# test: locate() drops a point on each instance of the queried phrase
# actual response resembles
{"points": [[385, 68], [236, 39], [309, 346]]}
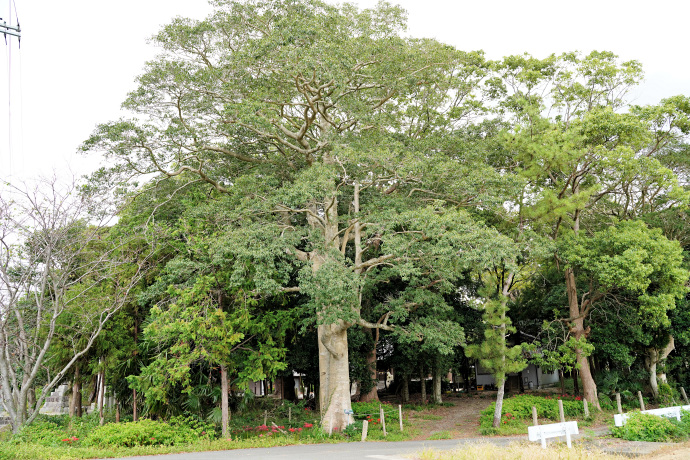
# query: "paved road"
{"points": [[394, 450], [342, 451]]}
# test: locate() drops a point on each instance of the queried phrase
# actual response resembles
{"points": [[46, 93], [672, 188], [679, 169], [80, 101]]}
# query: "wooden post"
{"points": [[265, 417], [400, 417], [639, 396], [618, 403], [290, 414], [584, 401], [365, 428], [383, 421], [535, 419], [330, 427], [685, 397], [560, 410]]}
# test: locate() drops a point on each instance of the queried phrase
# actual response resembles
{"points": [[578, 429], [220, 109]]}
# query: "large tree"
{"points": [[588, 158], [318, 123]]}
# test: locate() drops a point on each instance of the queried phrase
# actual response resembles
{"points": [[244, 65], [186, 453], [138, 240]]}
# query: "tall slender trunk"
{"points": [[101, 395], [501, 384], [135, 416], [373, 393], [75, 405], [436, 387], [225, 412], [406, 388], [577, 329], [422, 381]]}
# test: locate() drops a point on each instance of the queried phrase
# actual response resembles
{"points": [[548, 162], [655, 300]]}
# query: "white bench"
{"points": [[668, 412], [553, 430]]}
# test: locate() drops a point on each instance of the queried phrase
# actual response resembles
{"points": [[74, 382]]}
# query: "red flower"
{"points": [[308, 425], [291, 430], [299, 429]]}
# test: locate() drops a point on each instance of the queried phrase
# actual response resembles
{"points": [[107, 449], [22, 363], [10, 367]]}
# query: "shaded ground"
{"points": [[459, 421]]}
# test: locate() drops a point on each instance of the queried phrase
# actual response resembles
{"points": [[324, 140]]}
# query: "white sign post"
{"points": [[553, 430], [668, 412]]}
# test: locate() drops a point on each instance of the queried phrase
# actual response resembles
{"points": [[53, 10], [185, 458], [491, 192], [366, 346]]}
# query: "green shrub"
{"points": [[667, 395], [364, 410], [652, 428], [179, 430], [520, 407], [44, 432]]}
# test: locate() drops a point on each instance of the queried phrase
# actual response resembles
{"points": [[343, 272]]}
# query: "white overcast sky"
{"points": [[78, 58]]}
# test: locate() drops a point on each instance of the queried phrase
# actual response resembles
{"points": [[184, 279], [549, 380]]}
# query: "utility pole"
{"points": [[10, 30]]}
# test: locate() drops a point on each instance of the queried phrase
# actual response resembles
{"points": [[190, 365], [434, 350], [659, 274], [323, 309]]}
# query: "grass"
{"points": [[45, 438], [428, 417], [34, 451], [441, 435], [517, 451]]}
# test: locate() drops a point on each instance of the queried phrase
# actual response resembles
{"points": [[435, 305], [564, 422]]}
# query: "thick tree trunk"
{"points": [[501, 384], [334, 381], [652, 380], [422, 381], [225, 412], [436, 392], [653, 358]]}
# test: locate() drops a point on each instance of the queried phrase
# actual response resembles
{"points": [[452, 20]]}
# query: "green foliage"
{"points": [[652, 428], [517, 409], [667, 395], [177, 431], [370, 410], [632, 257], [493, 353]]}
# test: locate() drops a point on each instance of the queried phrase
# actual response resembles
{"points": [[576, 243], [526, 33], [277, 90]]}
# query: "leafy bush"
{"points": [[652, 428], [667, 395], [179, 430], [45, 432], [363, 410], [520, 407]]}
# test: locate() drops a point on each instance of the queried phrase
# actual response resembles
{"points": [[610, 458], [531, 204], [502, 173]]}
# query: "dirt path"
{"points": [[459, 421]]}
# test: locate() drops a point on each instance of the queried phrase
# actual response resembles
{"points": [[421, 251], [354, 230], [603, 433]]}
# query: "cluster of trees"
{"points": [[306, 187]]}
